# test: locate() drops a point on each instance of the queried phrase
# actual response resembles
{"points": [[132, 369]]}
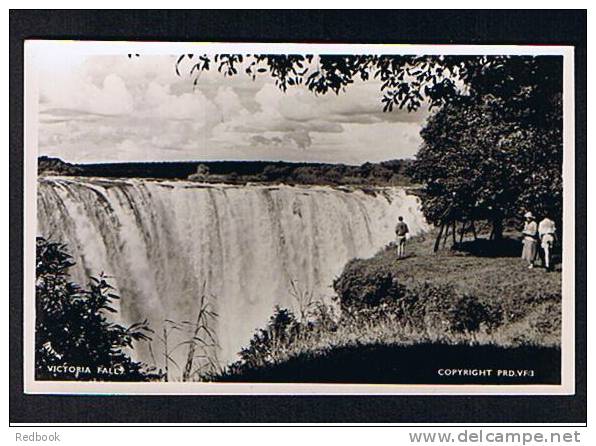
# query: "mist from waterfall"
{"points": [[161, 242]]}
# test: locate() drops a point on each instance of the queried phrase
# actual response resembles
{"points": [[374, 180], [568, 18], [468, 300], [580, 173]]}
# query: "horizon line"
{"points": [[222, 161]]}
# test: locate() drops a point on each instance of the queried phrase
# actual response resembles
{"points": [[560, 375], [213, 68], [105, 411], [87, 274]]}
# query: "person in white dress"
{"points": [[547, 234], [530, 239]]}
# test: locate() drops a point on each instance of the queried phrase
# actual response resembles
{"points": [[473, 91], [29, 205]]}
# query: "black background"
{"points": [[552, 27]]}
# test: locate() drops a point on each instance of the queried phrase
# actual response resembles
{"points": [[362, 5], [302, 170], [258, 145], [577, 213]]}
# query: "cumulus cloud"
{"points": [[75, 94], [108, 108]]}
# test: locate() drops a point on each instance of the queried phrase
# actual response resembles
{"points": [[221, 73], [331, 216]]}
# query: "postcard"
{"points": [[218, 218]]}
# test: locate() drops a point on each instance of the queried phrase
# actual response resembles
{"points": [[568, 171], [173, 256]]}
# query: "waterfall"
{"points": [[161, 242]]}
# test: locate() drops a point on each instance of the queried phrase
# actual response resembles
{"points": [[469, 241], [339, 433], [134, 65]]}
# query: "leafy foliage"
{"points": [[405, 80], [371, 291], [476, 164], [498, 152], [360, 286], [430, 308], [330, 73], [72, 327], [269, 343], [47, 165]]}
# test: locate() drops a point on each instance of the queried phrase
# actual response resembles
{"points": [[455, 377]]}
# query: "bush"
{"points": [[281, 331], [525, 301], [540, 326], [442, 310], [71, 328], [361, 285], [370, 290]]}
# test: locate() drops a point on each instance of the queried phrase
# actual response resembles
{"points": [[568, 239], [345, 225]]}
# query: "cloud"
{"points": [[299, 139], [114, 108], [74, 94], [298, 113], [360, 103]]}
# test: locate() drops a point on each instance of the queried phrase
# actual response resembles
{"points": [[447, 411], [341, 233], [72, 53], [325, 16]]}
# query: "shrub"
{"points": [[71, 327], [201, 174], [360, 286], [281, 330], [370, 290], [441, 310], [540, 326], [523, 302], [468, 314]]}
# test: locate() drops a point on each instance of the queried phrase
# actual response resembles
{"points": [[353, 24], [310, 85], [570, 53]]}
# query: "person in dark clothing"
{"points": [[401, 231]]}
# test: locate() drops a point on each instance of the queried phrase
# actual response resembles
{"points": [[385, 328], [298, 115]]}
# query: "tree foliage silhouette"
{"points": [[71, 327], [478, 164]]}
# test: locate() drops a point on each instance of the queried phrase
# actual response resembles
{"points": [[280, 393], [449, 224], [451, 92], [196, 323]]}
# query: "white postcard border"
{"points": [[33, 48]]}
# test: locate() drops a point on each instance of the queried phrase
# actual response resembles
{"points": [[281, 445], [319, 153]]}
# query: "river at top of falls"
{"points": [[164, 243]]}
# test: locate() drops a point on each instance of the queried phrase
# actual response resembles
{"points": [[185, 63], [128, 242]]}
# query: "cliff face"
{"points": [[55, 166]]}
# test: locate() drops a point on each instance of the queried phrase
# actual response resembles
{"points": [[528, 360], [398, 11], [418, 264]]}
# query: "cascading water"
{"points": [[163, 241]]}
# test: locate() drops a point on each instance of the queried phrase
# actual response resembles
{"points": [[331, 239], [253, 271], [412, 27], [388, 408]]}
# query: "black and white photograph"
{"points": [[227, 218]]}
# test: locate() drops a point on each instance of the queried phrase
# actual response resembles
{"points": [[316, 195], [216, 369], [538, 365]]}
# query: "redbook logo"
{"points": [[37, 437]]}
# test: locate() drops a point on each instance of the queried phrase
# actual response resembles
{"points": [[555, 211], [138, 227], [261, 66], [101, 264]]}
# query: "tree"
{"points": [[486, 158], [203, 170], [494, 144], [406, 81], [201, 174], [71, 327], [274, 172]]}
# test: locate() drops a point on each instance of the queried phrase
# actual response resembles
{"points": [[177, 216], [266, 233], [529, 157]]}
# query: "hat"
{"points": [[529, 215]]}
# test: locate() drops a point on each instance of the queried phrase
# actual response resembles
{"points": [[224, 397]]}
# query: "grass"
{"points": [[494, 276], [475, 306]]}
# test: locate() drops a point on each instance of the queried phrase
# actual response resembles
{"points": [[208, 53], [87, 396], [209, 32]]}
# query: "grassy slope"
{"points": [[476, 273], [528, 338]]}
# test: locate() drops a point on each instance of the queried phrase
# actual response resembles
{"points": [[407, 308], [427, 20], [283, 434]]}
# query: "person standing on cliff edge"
{"points": [[400, 231]]}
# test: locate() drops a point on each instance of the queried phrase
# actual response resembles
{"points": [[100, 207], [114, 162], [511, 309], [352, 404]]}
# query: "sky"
{"points": [[115, 109]]}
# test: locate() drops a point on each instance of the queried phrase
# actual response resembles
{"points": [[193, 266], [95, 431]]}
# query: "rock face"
{"points": [[55, 166]]}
